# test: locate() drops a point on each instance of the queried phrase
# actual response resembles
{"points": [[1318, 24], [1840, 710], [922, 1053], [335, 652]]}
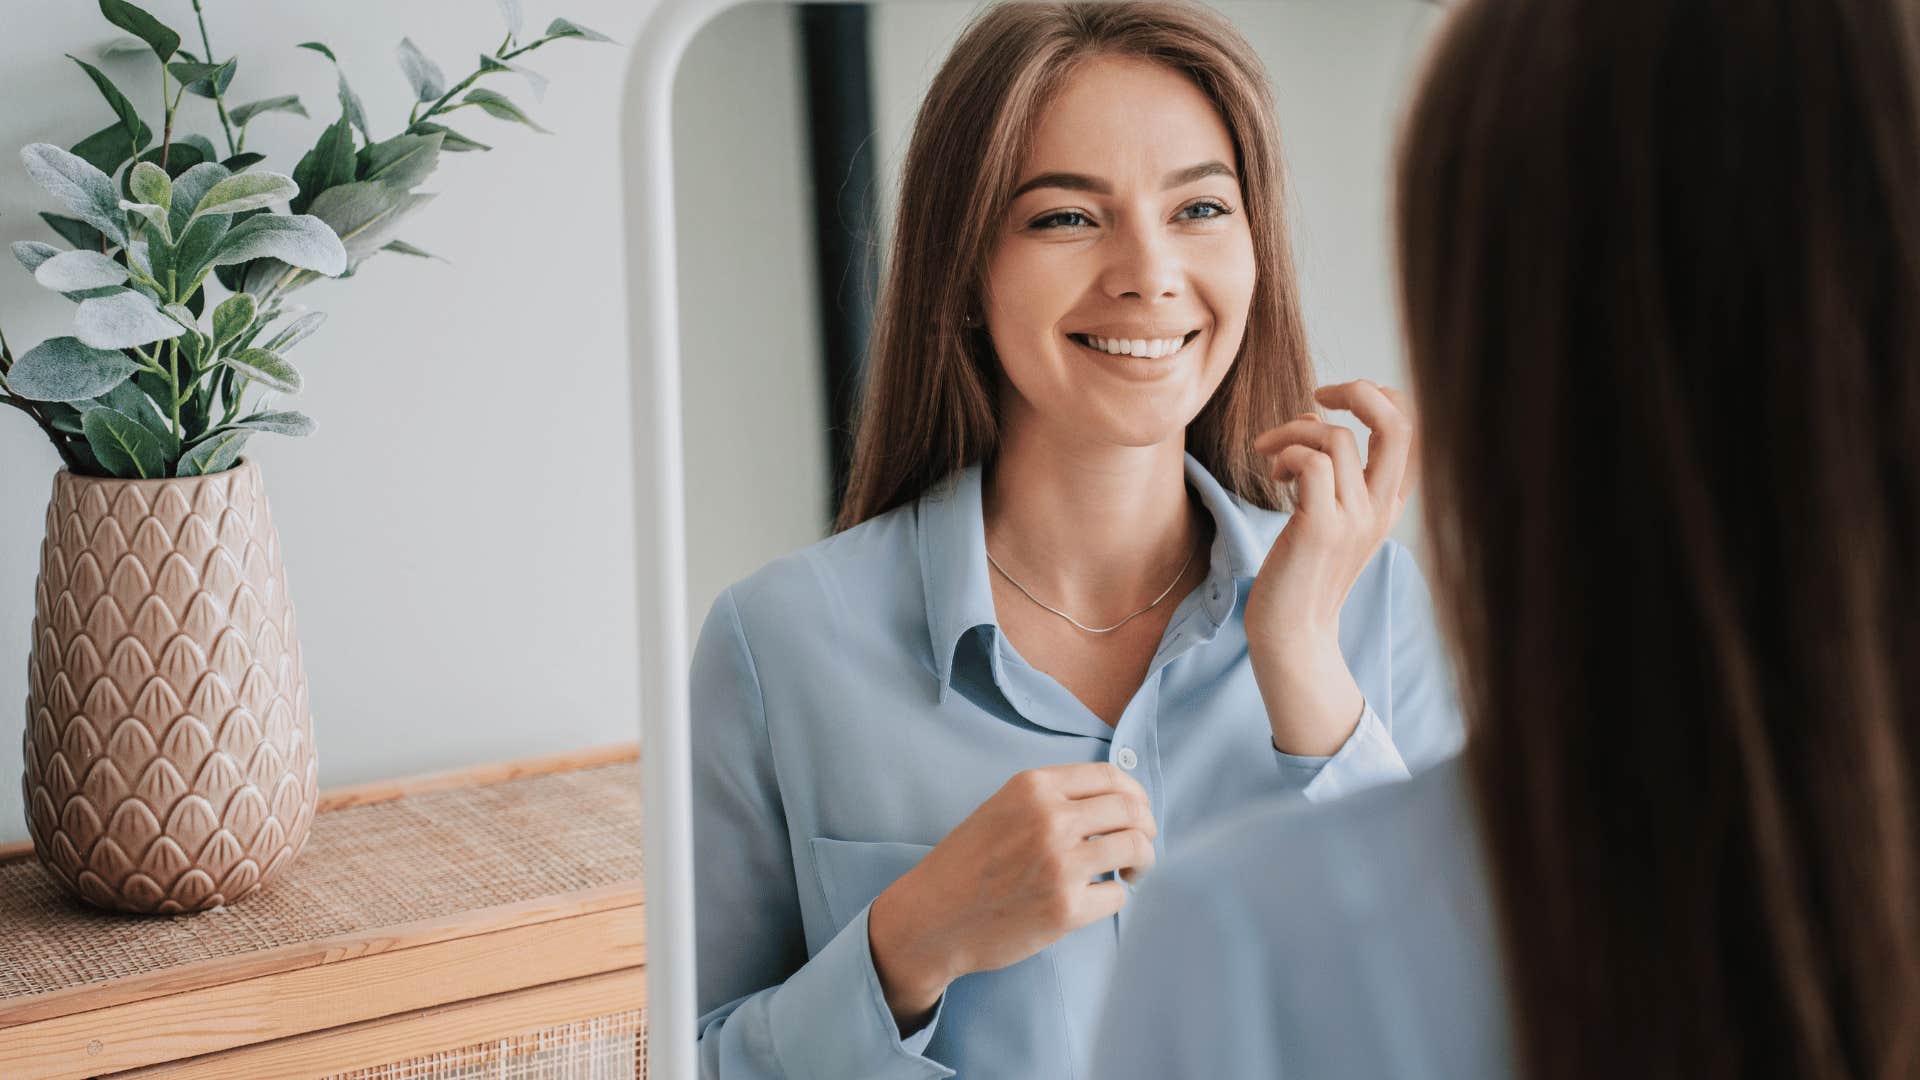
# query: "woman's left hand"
{"points": [[1341, 514]]}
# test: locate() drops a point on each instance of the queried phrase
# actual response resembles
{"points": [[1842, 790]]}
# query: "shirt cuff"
{"points": [[1367, 759], [817, 1036]]}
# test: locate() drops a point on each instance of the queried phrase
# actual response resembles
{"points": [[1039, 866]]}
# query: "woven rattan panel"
{"points": [[409, 859], [611, 1047]]}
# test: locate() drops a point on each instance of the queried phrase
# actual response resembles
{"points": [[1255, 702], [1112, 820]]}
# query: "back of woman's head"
{"points": [[1661, 272]]}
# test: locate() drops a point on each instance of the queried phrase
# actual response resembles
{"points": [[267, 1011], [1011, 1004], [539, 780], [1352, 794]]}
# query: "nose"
{"points": [[1144, 264]]}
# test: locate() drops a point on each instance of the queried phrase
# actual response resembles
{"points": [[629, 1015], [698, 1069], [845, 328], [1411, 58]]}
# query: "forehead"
{"points": [[1127, 118]]}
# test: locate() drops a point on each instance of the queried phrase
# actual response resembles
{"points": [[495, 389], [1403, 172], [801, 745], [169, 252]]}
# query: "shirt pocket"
{"points": [[1011, 1021]]}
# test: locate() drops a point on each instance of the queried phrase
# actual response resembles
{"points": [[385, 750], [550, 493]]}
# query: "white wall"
{"points": [[458, 534]]}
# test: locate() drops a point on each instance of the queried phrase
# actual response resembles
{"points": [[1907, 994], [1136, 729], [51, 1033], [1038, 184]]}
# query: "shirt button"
{"points": [[1128, 759]]}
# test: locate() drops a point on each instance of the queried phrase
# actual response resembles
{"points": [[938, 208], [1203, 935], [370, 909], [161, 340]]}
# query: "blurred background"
{"points": [[458, 534]]}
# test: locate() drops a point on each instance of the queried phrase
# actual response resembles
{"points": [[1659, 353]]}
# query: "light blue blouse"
{"points": [[1352, 940], [853, 701]]}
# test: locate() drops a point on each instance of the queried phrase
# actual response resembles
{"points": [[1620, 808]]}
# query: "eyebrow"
{"points": [[1081, 182]]}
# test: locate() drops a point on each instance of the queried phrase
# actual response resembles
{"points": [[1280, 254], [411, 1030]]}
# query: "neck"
{"points": [[1099, 532]]}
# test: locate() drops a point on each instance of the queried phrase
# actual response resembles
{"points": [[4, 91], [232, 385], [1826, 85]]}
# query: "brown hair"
{"points": [[1661, 280], [928, 405]]}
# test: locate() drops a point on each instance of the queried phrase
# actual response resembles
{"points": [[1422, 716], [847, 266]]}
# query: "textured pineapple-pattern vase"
{"points": [[169, 751]]}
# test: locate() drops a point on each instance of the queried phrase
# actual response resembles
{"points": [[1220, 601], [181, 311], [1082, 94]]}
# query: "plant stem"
{"points": [[218, 102], [166, 133], [173, 380]]}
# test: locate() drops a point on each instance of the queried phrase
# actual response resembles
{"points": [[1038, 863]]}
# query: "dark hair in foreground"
{"points": [[1661, 273]]}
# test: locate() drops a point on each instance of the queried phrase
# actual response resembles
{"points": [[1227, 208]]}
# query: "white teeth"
{"points": [[1136, 346]]}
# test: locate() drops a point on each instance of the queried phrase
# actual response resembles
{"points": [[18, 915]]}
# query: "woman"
{"points": [[1062, 623], [1661, 281]]}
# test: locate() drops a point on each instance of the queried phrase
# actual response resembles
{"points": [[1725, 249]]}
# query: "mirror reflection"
{"points": [[1047, 358]]}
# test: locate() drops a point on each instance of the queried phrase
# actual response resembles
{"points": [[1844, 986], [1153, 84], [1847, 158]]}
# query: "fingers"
{"points": [[1101, 900], [1313, 475], [1332, 440], [1082, 780], [1404, 402], [1112, 812], [1390, 437], [1124, 849]]}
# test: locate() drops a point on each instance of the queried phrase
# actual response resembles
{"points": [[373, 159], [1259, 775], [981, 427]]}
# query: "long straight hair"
{"points": [[928, 404], [1661, 280]]}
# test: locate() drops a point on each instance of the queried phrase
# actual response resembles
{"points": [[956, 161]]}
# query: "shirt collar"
{"points": [[953, 555]]}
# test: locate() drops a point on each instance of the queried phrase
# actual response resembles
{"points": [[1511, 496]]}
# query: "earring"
{"points": [[970, 319]]}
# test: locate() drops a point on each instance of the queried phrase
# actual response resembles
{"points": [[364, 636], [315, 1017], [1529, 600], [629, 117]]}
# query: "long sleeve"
{"points": [[1421, 725], [767, 1010]]}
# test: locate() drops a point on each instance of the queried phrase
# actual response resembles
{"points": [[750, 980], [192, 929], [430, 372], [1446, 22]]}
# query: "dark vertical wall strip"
{"points": [[840, 143]]}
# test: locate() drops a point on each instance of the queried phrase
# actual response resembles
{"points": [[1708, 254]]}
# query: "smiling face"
{"points": [[1127, 223]]}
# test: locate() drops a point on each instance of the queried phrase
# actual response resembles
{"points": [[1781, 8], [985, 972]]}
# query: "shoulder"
{"points": [[1334, 930], [1346, 868], [843, 575]]}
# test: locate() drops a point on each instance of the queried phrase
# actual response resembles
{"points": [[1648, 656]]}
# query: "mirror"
{"points": [[764, 146]]}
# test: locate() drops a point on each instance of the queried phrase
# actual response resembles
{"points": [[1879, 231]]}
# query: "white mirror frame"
{"points": [[660, 523]]}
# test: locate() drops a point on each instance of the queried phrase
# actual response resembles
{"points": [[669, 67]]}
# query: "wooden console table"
{"points": [[482, 923]]}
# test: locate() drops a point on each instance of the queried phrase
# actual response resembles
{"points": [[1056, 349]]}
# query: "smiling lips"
{"points": [[1146, 348]]}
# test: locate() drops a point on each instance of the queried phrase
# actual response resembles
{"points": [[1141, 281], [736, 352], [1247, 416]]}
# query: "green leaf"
{"points": [[188, 189], [296, 332], [71, 270], [124, 445], [200, 143], [498, 104], [265, 368], [401, 247], [78, 233], [562, 28], [453, 141], [402, 161], [34, 253], [284, 103], [424, 74], [242, 162], [85, 190], [66, 418], [180, 157], [232, 318], [280, 423], [246, 191], [151, 184], [350, 102], [68, 369], [137, 22], [364, 215], [330, 162], [130, 400], [194, 253], [156, 218], [204, 80], [535, 81], [129, 116], [111, 146], [125, 46], [321, 49], [122, 321], [301, 240], [216, 454]]}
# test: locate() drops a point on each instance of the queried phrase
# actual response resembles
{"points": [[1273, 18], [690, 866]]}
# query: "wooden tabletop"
{"points": [[462, 887]]}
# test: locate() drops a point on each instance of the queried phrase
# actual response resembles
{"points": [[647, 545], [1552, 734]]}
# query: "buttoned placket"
{"points": [[1133, 743]]}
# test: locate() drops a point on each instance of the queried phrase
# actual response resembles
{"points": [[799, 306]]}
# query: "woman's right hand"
{"points": [[1014, 877]]}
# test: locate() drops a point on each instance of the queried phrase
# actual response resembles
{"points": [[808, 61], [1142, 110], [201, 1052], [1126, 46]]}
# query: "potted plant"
{"points": [[169, 752]]}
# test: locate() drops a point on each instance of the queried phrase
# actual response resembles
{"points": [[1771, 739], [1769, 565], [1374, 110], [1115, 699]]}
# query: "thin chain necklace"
{"points": [[1090, 629]]}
